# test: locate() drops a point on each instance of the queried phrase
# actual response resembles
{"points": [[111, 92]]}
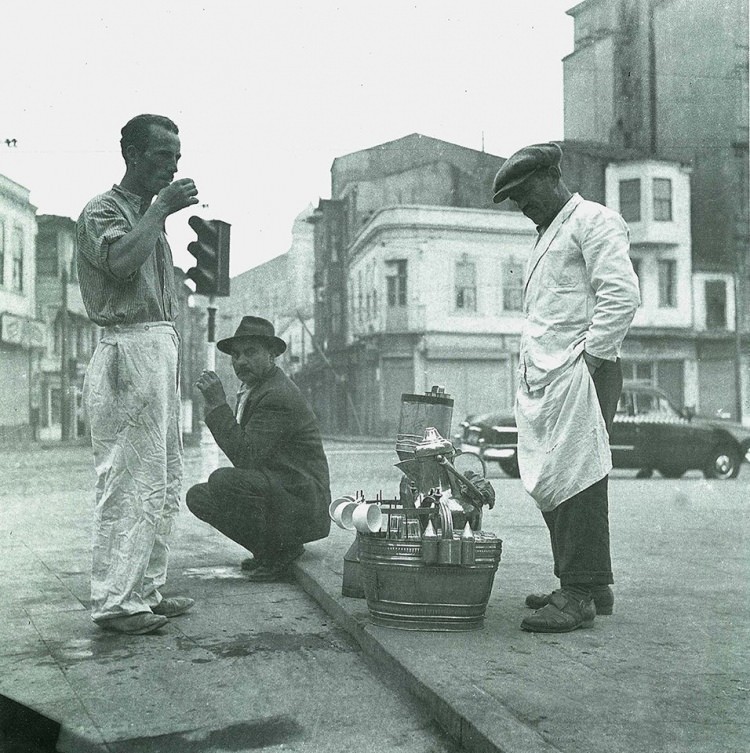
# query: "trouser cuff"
{"points": [[587, 580]]}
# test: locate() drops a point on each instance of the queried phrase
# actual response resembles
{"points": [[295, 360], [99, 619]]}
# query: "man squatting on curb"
{"points": [[580, 296], [131, 389], [276, 496]]}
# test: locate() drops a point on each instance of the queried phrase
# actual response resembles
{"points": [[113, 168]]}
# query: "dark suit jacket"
{"points": [[279, 436]]}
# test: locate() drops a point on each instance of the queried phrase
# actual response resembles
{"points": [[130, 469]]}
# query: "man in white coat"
{"points": [[580, 296]]}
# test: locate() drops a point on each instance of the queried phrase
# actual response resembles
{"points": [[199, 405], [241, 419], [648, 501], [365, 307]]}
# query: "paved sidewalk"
{"points": [[667, 673]]}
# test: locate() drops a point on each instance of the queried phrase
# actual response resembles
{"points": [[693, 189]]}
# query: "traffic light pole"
{"points": [[209, 448], [211, 351]]}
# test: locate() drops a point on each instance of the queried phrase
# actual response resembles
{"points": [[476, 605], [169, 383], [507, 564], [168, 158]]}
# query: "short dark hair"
{"points": [[136, 131]]}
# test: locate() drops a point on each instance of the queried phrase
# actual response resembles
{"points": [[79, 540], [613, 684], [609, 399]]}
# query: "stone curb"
{"points": [[476, 721]]}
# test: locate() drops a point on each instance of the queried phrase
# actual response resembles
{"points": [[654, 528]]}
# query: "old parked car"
{"points": [[648, 433]]}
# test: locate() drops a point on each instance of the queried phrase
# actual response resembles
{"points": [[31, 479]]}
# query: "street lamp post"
{"points": [[64, 370]]}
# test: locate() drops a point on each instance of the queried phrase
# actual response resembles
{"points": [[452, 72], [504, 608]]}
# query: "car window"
{"points": [[653, 405], [625, 405]]}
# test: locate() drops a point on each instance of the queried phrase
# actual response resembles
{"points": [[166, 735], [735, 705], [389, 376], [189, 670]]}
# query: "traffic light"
{"points": [[211, 250]]}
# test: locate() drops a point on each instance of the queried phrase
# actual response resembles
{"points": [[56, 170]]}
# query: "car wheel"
{"points": [[722, 463], [510, 467], [672, 471]]}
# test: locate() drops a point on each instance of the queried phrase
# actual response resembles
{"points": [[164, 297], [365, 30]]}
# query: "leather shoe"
{"points": [[173, 606], [278, 568], [566, 611], [134, 624], [269, 574], [604, 600]]}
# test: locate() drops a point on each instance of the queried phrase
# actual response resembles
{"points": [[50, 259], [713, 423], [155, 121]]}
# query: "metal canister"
{"points": [[433, 408], [429, 544], [449, 552], [468, 546]]}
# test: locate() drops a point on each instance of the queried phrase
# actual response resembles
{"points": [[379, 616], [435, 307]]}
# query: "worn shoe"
{"points": [[134, 624], [604, 600], [278, 568], [565, 612], [173, 606], [269, 574]]}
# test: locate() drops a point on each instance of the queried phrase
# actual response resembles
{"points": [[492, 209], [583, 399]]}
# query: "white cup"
{"points": [[342, 515], [367, 518], [337, 503]]}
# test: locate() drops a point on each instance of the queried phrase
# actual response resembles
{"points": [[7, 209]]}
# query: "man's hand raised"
{"points": [[177, 195], [212, 390]]}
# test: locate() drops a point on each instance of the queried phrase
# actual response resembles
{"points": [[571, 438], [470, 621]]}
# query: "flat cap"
{"points": [[521, 165]]}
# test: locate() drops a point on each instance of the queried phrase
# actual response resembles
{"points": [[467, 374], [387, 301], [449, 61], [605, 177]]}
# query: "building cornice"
{"points": [[16, 193], [439, 218]]}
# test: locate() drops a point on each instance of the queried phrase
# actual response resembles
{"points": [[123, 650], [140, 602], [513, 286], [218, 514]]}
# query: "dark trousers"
{"points": [[238, 503], [579, 527]]}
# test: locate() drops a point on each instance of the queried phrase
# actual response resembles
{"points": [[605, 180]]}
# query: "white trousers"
{"points": [[131, 395]]}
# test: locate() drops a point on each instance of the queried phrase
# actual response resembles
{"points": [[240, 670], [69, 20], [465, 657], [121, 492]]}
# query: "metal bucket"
{"points": [[403, 592]]}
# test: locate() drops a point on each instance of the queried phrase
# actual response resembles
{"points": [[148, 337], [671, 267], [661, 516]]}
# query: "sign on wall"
{"points": [[18, 330]]}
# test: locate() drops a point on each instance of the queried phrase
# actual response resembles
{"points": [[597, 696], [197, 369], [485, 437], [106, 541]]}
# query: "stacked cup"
{"points": [[353, 515]]}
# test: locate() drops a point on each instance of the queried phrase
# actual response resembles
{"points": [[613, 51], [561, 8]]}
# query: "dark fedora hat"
{"points": [[254, 327], [522, 165]]}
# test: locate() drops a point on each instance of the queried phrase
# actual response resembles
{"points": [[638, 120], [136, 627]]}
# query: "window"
{"points": [[332, 241], [630, 200], [667, 283], [655, 405], [662, 199], [46, 260], [639, 371], [395, 276], [82, 344], [512, 285], [716, 304], [637, 270], [335, 313], [466, 286], [58, 337], [17, 250]]}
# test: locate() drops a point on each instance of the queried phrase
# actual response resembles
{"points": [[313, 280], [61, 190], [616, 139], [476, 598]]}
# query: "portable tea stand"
{"points": [[419, 563]]}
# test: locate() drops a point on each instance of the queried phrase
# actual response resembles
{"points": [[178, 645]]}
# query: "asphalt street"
{"points": [[262, 666]]}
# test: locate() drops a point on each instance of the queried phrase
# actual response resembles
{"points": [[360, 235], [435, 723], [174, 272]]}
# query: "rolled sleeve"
{"points": [[100, 225], [605, 249]]}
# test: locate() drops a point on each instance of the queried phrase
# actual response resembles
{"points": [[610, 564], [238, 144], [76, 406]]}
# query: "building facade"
{"points": [[669, 80], [416, 171], [280, 290], [435, 296], [411, 295], [22, 335], [70, 336]]}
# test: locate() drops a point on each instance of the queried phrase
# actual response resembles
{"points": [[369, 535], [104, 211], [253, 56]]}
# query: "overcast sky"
{"points": [[267, 94]]}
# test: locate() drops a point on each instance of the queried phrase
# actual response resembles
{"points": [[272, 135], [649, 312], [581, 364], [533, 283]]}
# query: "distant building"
{"points": [[22, 335], [70, 336], [415, 171], [280, 290], [668, 79], [435, 296], [409, 295]]}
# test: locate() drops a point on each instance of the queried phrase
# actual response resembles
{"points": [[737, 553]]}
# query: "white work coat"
{"points": [[580, 293]]}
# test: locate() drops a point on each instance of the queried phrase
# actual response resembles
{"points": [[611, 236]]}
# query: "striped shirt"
{"points": [[148, 295]]}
